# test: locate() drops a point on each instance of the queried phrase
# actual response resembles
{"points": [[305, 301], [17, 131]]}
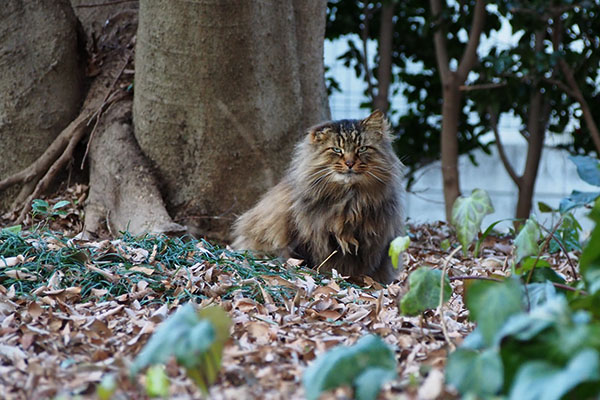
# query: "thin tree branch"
{"points": [[439, 41], [469, 56], [481, 86], [501, 151]]}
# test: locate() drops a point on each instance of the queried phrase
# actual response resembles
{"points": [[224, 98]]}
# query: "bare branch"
{"points": [[501, 151], [482, 86], [469, 56]]}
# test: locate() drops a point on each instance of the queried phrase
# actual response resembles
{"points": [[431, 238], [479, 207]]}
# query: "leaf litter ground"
{"points": [[74, 311]]}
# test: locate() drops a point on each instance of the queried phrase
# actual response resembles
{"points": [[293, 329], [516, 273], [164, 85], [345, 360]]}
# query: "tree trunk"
{"points": [[384, 70], [536, 127], [41, 83], [222, 92], [451, 110]]}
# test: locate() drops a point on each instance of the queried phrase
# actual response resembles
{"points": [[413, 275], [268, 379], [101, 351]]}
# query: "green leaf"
{"points": [[107, 387], [368, 384], [61, 204], [545, 208], [195, 339], [13, 229], [491, 304], [157, 381], [577, 199], [588, 169], [397, 246], [528, 262], [589, 262], [543, 380], [467, 214], [424, 291], [526, 242], [475, 372], [344, 365], [39, 206], [445, 244], [486, 233]]}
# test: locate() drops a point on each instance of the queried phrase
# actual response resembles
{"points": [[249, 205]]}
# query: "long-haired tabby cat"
{"points": [[340, 196]]}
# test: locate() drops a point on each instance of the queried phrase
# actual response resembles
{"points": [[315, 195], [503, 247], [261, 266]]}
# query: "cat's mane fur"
{"points": [[320, 206]]}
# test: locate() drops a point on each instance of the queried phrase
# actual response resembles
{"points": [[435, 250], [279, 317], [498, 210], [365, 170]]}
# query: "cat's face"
{"points": [[352, 151]]}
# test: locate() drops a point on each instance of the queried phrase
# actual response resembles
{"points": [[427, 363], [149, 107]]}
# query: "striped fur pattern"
{"points": [[341, 196]]}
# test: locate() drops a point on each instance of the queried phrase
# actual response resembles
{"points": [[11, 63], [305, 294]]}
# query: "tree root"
{"points": [[39, 175]]}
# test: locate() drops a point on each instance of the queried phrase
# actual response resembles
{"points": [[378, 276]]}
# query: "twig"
{"points": [[108, 3], [501, 151], [481, 86], [489, 278], [327, 259], [562, 248], [440, 309]]}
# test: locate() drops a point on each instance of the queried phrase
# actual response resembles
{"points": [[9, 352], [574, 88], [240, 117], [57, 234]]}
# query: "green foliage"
{"points": [[42, 208], [194, 338], [526, 242], [157, 381], [589, 262], [365, 366], [397, 246], [474, 371], [588, 169], [107, 387], [424, 291], [491, 304], [532, 342], [467, 214]]}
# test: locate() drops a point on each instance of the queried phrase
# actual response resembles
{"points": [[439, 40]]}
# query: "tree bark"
{"points": [[384, 69], [452, 106], [537, 120], [223, 91], [41, 83]]}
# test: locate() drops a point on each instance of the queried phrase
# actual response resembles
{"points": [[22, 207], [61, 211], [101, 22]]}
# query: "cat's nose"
{"points": [[350, 163]]}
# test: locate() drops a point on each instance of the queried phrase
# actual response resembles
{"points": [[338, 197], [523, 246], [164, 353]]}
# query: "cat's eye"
{"points": [[337, 150], [362, 149]]}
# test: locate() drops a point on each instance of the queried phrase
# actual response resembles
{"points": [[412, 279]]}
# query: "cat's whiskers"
{"points": [[375, 176]]}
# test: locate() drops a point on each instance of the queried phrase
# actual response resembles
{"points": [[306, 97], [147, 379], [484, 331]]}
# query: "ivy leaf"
{"points": [[526, 242], [491, 304], [543, 380], [588, 169], [397, 246], [577, 199], [424, 291], [589, 262], [368, 384], [365, 366], [195, 339], [467, 214], [476, 372]]}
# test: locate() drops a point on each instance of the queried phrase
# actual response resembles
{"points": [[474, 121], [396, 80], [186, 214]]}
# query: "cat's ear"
{"points": [[376, 123], [319, 133]]}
